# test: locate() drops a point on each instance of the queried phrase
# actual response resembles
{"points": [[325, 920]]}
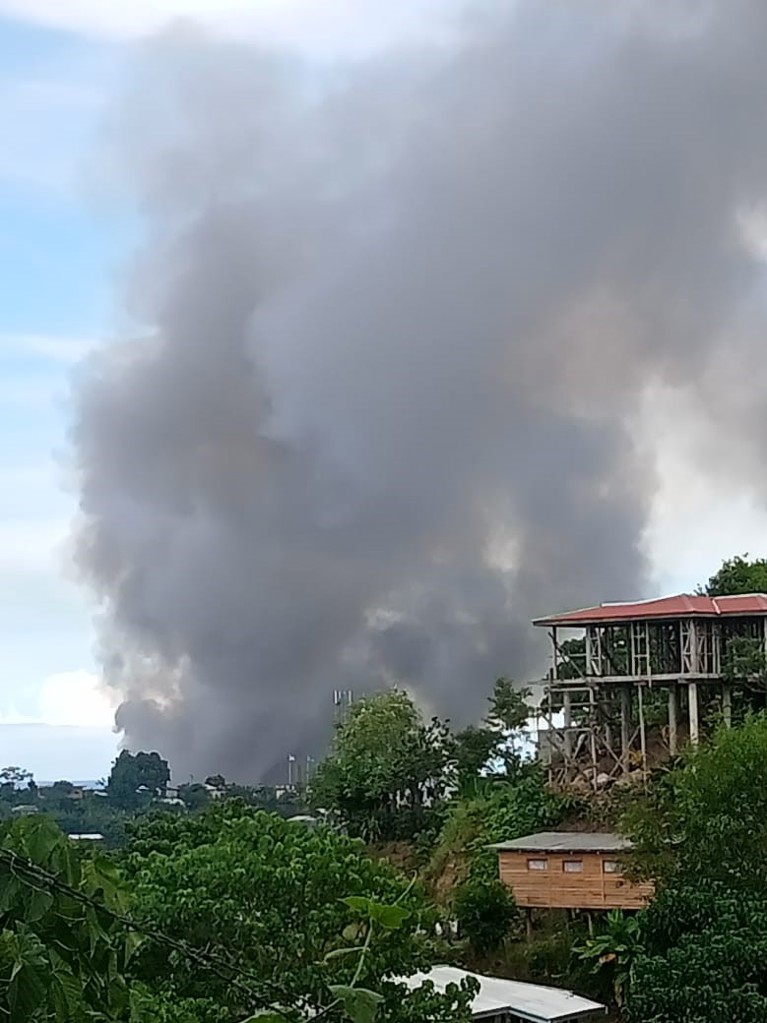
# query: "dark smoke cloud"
{"points": [[396, 321]]}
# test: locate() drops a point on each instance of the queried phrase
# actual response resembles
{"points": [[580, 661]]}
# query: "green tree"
{"points": [[15, 776], [612, 953], [497, 739], [486, 912], [285, 903], [195, 796], [703, 949], [473, 749], [738, 575], [63, 955], [702, 834], [133, 772], [707, 818], [387, 769]]}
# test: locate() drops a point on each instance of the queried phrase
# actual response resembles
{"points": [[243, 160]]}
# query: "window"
{"points": [[537, 864], [611, 867], [573, 866]]}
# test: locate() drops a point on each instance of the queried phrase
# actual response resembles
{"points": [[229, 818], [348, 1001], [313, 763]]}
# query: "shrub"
{"points": [[486, 912]]}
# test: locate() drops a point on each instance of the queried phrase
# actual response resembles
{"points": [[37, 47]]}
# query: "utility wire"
{"points": [[245, 981]]}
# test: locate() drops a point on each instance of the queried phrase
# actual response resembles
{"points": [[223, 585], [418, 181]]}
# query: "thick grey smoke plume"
{"points": [[396, 319]]}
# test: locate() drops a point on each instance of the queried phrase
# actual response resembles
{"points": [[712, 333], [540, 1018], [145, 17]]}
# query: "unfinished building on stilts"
{"points": [[647, 669]]}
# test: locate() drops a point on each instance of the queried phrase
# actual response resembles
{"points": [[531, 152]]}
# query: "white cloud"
{"points": [[335, 26], [52, 752], [69, 698], [32, 545], [55, 348], [77, 698], [698, 517]]}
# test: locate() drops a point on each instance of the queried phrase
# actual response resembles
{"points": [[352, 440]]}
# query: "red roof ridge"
{"points": [[680, 605]]}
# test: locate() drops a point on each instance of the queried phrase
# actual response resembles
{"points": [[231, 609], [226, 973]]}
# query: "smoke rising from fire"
{"points": [[394, 322]]}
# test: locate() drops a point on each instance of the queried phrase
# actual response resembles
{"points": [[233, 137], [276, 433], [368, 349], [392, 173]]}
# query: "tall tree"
{"points": [[738, 575], [386, 769], [133, 772]]}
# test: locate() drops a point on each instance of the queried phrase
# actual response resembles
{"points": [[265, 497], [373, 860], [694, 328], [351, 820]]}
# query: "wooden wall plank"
{"points": [[556, 888]]}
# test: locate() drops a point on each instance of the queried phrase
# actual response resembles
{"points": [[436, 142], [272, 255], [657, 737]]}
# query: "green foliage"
{"points": [[503, 811], [195, 796], [704, 956], [702, 833], [16, 777], [486, 912], [473, 748], [496, 739], [707, 818], [738, 575], [386, 769], [509, 709], [283, 902], [612, 953], [744, 660], [62, 958], [132, 773]]}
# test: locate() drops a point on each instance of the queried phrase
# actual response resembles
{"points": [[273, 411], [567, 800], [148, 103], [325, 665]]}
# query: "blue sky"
{"points": [[58, 251], [62, 243]]}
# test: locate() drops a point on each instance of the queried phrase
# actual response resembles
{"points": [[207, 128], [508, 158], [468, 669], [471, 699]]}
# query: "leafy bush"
{"points": [[703, 957], [281, 901], [63, 954], [612, 953], [507, 810], [485, 912]]}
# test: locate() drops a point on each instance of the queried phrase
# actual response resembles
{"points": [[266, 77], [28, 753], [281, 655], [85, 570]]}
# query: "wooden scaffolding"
{"points": [[648, 662]]}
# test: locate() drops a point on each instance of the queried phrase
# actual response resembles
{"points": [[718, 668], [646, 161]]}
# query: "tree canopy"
{"points": [[133, 772], [738, 575], [386, 768], [282, 901], [702, 834]]}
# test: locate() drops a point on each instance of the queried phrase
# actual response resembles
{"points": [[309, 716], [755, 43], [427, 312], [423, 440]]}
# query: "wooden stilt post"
{"points": [[625, 725], [692, 700], [727, 704], [529, 923], [593, 737], [642, 735], [568, 724], [673, 714]]}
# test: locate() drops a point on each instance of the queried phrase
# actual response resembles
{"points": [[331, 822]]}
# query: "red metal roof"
{"points": [[684, 605]]}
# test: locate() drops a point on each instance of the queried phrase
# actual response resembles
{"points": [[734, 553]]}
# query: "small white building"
{"points": [[513, 1001]]}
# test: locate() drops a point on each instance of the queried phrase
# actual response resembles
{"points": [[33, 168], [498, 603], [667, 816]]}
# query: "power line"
{"points": [[244, 980]]}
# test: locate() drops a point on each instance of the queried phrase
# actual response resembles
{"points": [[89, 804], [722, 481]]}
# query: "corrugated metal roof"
{"points": [[567, 841], [684, 605], [531, 1002]]}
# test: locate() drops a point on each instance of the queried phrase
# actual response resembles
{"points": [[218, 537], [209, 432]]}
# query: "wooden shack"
{"points": [[570, 870]]}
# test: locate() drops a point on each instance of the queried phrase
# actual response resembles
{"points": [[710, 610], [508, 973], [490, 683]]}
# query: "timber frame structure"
{"points": [[596, 701]]}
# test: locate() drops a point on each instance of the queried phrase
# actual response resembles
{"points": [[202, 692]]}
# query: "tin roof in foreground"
{"points": [[567, 841], [684, 605], [533, 1003]]}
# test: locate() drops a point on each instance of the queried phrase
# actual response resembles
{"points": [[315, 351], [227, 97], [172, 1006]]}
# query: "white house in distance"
{"points": [[512, 1001]]}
